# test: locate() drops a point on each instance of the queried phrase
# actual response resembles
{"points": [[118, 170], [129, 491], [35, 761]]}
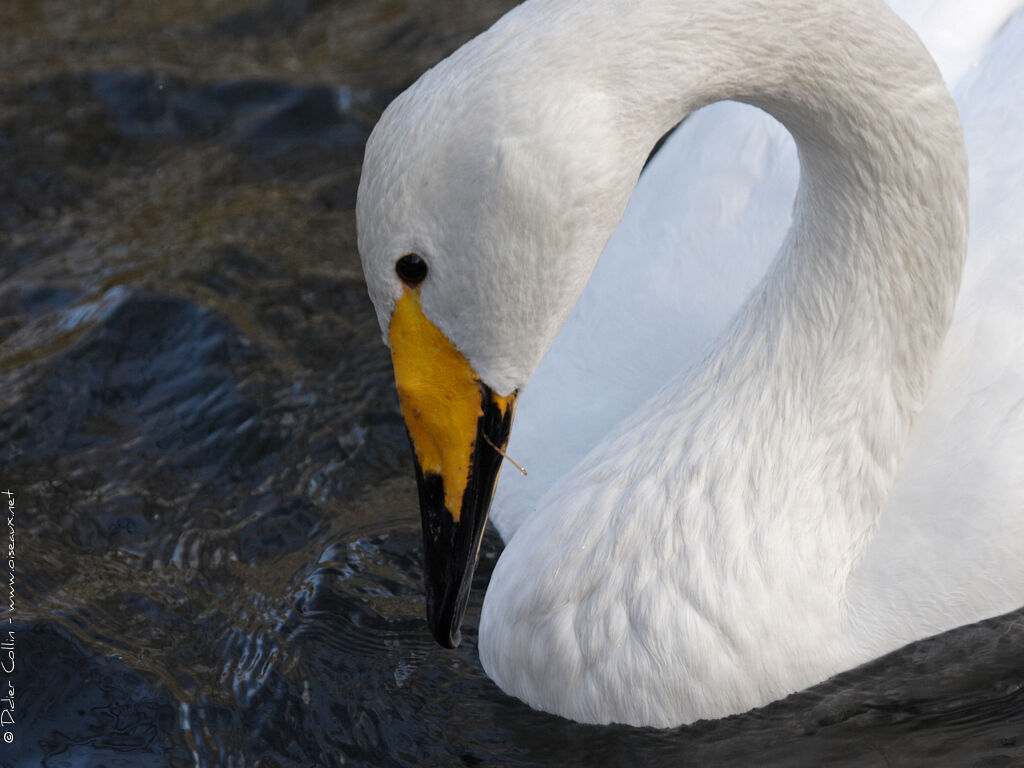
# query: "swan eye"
{"points": [[411, 269]]}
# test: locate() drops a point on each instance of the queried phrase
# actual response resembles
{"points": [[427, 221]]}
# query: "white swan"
{"points": [[829, 479]]}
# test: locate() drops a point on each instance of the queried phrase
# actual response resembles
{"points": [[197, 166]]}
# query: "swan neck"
{"points": [[823, 371], [881, 210], [715, 529]]}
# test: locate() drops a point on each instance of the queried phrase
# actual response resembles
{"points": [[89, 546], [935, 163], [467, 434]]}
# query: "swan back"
{"points": [[948, 547]]}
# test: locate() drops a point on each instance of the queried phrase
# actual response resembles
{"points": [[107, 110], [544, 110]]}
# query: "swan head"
{"points": [[486, 197]]}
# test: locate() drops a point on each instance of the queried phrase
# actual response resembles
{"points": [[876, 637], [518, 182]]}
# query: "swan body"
{"points": [[798, 450]]}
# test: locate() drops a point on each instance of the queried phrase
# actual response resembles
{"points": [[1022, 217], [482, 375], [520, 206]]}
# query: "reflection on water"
{"points": [[218, 544]]}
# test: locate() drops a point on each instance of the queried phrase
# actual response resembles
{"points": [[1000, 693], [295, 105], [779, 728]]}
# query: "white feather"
{"points": [[743, 477]]}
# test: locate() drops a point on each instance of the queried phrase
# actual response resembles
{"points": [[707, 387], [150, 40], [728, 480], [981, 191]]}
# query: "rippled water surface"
{"points": [[217, 539]]}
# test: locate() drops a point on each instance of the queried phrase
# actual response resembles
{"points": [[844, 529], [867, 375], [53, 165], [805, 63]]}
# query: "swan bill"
{"points": [[458, 428], [451, 547]]}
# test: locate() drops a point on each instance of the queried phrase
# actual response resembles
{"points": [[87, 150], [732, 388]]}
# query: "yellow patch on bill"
{"points": [[440, 397], [504, 403]]}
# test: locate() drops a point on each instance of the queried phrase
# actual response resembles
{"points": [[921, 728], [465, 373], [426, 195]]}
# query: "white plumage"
{"points": [[739, 484]]}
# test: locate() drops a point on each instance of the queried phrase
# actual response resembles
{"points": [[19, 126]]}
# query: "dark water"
{"points": [[216, 533]]}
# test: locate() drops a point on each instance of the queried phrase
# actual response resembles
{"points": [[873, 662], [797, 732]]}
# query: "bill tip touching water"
{"points": [[457, 426], [794, 500]]}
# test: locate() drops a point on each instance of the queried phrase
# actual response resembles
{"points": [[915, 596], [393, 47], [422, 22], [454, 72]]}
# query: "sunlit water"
{"points": [[217, 538]]}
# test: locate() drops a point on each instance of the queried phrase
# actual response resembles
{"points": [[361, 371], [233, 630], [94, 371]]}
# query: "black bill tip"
{"points": [[451, 548], [445, 545]]}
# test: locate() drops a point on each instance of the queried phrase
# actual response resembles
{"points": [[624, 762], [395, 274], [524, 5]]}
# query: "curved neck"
{"points": [[733, 504], [822, 372], [880, 220]]}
